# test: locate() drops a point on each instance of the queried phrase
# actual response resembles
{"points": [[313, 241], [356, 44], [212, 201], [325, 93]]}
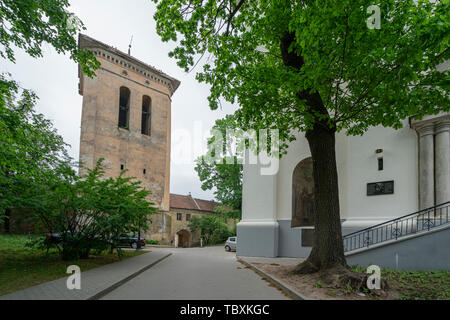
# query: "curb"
{"points": [[113, 287], [283, 287]]}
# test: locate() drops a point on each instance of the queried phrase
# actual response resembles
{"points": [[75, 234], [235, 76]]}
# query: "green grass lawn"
{"points": [[417, 285], [22, 267]]}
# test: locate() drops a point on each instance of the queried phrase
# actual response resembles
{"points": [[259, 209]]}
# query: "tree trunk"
{"points": [[328, 249]]}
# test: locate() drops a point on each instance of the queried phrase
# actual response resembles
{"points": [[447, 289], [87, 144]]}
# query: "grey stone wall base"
{"points": [[290, 241], [257, 239], [428, 251]]}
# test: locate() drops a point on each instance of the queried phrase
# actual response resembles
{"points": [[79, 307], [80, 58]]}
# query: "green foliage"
{"points": [[92, 211], [38, 180], [30, 150], [154, 242], [420, 285], [27, 24], [213, 229], [416, 285], [363, 77], [30, 147], [225, 177], [227, 213], [23, 266], [316, 67]]}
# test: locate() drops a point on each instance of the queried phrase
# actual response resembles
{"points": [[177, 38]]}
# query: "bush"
{"points": [[91, 212], [213, 229]]}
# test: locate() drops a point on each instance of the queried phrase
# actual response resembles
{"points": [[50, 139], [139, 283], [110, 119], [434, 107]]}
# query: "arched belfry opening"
{"points": [[146, 116], [303, 194], [124, 107]]}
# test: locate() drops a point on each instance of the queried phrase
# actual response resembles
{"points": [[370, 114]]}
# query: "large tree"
{"points": [[317, 66], [30, 149], [30, 146], [28, 24], [225, 176]]}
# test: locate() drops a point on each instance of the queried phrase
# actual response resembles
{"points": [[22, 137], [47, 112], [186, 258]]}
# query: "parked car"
{"points": [[130, 240], [56, 238], [230, 244], [53, 238]]}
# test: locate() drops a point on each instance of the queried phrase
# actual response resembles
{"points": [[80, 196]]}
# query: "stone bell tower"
{"points": [[126, 119]]}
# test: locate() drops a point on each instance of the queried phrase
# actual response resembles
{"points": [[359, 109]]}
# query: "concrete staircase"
{"points": [[417, 241]]}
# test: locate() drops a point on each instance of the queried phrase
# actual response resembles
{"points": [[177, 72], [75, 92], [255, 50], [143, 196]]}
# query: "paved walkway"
{"points": [[198, 274], [164, 273], [93, 281]]}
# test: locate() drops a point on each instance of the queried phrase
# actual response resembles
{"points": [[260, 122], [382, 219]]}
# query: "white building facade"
{"points": [[383, 174]]}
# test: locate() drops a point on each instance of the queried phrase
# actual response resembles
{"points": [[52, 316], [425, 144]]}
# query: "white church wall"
{"points": [[267, 199], [297, 151], [258, 230], [259, 194], [400, 157]]}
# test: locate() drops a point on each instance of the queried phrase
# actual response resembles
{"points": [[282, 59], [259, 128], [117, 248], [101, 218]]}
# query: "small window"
{"points": [[380, 164], [179, 216], [188, 217], [122, 167], [146, 116], [144, 171]]}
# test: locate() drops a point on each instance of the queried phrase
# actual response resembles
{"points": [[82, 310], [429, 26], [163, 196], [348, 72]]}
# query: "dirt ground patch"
{"points": [[311, 286]]}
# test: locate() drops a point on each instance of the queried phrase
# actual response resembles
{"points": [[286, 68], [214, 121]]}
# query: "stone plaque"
{"points": [[379, 188], [307, 237]]}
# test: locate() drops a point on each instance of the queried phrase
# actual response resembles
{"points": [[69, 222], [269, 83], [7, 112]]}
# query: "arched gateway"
{"points": [[183, 239]]}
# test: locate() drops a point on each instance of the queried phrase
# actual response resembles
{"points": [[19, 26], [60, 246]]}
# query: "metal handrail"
{"points": [[413, 223]]}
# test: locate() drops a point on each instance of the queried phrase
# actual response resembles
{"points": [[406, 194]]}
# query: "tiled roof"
{"points": [[178, 201]]}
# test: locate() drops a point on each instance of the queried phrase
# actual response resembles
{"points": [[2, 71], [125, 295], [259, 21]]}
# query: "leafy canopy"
{"points": [[225, 177], [27, 24], [30, 150], [364, 77], [212, 228], [92, 211]]}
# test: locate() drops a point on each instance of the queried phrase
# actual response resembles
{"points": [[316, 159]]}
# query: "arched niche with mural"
{"points": [[303, 194]]}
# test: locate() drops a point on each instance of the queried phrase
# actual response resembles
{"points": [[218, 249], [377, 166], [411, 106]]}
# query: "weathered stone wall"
{"points": [[102, 138], [178, 225], [160, 227]]}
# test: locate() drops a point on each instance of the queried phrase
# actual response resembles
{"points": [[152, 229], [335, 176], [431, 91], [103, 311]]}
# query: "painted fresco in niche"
{"points": [[303, 194]]}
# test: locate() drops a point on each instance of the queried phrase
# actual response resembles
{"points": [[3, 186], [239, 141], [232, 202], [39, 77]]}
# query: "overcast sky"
{"points": [[54, 78]]}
